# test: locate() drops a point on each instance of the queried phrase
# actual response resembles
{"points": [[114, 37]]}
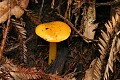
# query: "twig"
{"points": [[56, 8], [72, 26], [52, 4], [107, 3], [5, 34], [3, 41], [41, 8]]}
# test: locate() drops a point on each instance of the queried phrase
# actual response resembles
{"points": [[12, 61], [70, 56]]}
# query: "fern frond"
{"points": [[105, 36], [114, 48], [112, 57], [15, 72], [97, 69], [105, 44], [94, 72], [112, 25], [102, 42], [102, 49], [26, 74], [22, 45], [21, 32], [117, 10], [21, 73]]}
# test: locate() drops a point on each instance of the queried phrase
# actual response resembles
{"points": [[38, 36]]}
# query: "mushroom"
{"points": [[53, 32]]}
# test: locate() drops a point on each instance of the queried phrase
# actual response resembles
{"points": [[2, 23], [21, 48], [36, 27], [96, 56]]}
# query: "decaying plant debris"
{"points": [[93, 47]]}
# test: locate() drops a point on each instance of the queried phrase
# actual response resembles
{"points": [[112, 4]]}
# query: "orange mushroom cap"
{"points": [[53, 31]]}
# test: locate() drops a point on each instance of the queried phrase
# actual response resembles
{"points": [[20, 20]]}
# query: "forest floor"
{"points": [[30, 54]]}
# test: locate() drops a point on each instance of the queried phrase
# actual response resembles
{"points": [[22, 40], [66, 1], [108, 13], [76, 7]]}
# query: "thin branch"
{"points": [[72, 26], [41, 8], [107, 3], [5, 34], [52, 4]]}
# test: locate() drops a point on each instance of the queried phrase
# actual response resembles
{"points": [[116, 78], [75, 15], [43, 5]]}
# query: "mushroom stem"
{"points": [[52, 52]]}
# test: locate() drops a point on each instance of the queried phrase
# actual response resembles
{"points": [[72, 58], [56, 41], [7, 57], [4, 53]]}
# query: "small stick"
{"points": [[5, 34], [52, 4], [41, 8], [107, 3], [3, 41], [72, 26]]}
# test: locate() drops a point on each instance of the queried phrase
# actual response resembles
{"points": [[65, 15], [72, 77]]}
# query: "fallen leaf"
{"points": [[89, 17], [89, 31], [14, 7], [89, 72], [17, 11], [93, 72], [24, 3]]}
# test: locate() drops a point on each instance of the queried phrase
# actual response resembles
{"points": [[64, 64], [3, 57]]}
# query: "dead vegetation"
{"points": [[93, 47]]}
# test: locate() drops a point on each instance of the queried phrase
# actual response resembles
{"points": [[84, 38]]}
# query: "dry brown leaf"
{"points": [[23, 3], [89, 18], [17, 11], [14, 8], [88, 74], [3, 11], [94, 71], [89, 31]]}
